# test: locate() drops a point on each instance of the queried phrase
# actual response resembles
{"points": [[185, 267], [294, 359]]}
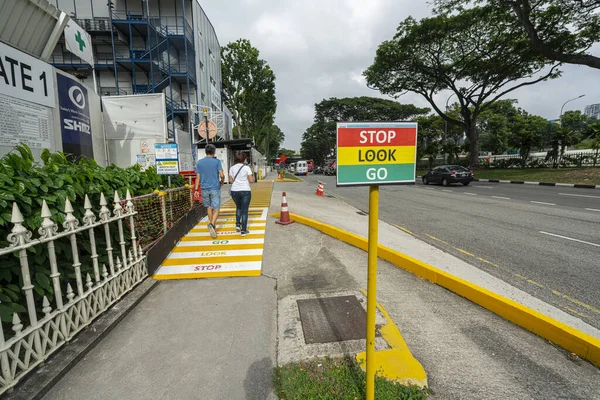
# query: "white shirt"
{"points": [[241, 182], [256, 168]]}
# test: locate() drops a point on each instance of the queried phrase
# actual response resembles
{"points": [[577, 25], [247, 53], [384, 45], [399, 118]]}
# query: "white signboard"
{"points": [[25, 77], [24, 122], [79, 42], [167, 160]]}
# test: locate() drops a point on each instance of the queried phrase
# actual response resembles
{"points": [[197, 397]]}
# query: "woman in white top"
{"points": [[240, 177]]}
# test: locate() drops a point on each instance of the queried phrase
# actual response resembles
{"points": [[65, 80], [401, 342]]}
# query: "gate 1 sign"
{"points": [[376, 153]]}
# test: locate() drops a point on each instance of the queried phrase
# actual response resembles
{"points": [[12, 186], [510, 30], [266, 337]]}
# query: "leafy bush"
{"points": [[29, 183]]}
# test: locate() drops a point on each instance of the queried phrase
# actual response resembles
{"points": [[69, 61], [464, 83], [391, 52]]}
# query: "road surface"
{"points": [[543, 240]]}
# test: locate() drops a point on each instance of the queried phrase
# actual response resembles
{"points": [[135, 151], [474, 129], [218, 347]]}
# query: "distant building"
{"points": [[593, 111]]}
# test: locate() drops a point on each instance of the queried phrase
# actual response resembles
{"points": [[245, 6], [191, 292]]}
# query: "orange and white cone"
{"points": [[284, 217], [320, 190]]}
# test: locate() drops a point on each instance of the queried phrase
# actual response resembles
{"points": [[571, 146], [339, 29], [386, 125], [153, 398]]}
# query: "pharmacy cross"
{"points": [[79, 40]]}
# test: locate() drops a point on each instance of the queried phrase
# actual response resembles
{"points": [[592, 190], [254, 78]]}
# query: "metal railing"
{"points": [[157, 212], [45, 326]]}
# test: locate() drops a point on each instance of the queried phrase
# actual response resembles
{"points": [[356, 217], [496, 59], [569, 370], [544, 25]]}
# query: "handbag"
{"points": [[235, 177]]}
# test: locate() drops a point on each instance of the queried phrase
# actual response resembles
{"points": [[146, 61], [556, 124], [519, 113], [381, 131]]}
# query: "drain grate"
{"points": [[332, 319]]}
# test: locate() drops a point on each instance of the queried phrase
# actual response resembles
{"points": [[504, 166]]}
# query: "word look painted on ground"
{"points": [[376, 153]]}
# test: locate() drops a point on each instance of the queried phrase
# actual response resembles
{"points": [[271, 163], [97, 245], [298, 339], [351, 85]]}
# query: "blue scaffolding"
{"points": [[160, 53]]}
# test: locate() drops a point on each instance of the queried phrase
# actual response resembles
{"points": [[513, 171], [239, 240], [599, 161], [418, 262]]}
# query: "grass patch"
{"points": [[588, 176], [292, 177], [340, 378]]}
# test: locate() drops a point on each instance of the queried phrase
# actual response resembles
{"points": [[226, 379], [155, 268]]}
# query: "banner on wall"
{"points": [[75, 122]]}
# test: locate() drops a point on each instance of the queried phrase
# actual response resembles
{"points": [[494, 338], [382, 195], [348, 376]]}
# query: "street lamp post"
{"points": [[205, 111], [563, 106], [446, 124]]}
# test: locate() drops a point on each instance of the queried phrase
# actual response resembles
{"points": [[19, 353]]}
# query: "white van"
{"points": [[301, 168]]}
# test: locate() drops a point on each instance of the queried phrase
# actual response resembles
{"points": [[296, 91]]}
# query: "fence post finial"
{"points": [[17, 325], [46, 307], [19, 235], [129, 204], [88, 217], [71, 222], [118, 211]]}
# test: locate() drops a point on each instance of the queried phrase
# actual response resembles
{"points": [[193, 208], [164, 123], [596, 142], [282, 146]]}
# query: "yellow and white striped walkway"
{"points": [[197, 255]]}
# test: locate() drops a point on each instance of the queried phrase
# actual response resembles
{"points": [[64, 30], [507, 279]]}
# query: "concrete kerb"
{"points": [[556, 332]]}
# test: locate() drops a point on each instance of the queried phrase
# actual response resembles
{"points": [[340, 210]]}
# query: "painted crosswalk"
{"points": [[198, 255]]}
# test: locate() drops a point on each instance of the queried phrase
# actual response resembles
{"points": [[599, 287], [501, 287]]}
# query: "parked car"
{"points": [[447, 174], [311, 165], [318, 170]]}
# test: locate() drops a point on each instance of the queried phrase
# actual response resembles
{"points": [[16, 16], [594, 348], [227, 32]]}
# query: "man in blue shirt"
{"points": [[210, 176]]}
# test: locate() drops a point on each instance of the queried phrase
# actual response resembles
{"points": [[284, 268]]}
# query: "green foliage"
{"points": [[29, 183], [329, 378], [287, 152], [319, 140], [560, 30], [249, 87], [476, 53]]}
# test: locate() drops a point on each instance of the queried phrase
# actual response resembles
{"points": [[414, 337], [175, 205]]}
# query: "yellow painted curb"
{"points": [[569, 338], [289, 180], [398, 363]]}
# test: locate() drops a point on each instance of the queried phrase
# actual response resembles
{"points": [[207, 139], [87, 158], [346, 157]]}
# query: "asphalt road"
{"points": [[543, 240]]}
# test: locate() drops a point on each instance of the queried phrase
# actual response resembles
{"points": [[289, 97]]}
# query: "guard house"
{"points": [[227, 148]]}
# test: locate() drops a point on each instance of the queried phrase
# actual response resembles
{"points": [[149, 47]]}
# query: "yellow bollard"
{"points": [[372, 288]]}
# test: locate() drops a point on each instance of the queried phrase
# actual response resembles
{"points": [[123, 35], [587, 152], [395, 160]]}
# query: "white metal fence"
{"points": [[40, 331]]}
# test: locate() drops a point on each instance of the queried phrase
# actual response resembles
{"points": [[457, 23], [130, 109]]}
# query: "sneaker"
{"points": [[213, 232], [244, 233], [238, 228]]}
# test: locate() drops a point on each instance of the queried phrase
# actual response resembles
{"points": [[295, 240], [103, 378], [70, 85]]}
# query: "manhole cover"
{"points": [[332, 319]]}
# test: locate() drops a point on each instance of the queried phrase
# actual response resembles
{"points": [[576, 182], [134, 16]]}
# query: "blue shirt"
{"points": [[209, 168]]}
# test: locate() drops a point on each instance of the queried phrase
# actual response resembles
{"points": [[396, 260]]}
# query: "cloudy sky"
{"points": [[319, 48]]}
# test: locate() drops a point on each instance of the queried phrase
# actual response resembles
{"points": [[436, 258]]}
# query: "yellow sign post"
{"points": [[372, 288], [373, 154]]}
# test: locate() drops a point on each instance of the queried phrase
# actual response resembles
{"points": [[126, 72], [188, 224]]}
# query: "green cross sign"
{"points": [[80, 41]]}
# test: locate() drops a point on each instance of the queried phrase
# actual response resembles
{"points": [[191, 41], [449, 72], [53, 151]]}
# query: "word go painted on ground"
{"points": [[376, 153]]}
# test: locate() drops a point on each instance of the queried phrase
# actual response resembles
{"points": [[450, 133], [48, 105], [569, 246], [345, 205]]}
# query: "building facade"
{"points": [[142, 47], [592, 111]]}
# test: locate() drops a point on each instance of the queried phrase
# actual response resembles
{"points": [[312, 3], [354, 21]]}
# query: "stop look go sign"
{"points": [[376, 153]]}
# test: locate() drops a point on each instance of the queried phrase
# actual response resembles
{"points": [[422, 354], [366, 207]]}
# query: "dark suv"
{"points": [[447, 174]]}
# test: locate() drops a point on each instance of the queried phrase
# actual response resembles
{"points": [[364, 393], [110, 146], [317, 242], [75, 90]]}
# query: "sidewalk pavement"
{"points": [[220, 338]]}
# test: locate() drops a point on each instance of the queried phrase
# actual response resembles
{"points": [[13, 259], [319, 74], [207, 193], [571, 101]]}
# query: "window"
{"points": [[202, 97], [201, 65], [212, 56]]}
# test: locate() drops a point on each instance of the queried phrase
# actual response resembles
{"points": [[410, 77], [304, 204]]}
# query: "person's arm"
{"points": [[250, 176], [230, 175], [222, 176], [197, 182]]}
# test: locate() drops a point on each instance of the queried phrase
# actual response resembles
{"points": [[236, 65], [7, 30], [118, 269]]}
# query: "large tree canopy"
{"points": [[249, 88], [319, 140], [560, 30], [479, 54]]}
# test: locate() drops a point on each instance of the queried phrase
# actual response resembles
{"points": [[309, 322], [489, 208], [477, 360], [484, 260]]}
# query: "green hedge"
{"points": [[29, 183]]}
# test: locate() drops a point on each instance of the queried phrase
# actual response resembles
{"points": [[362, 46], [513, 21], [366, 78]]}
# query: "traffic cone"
{"points": [[320, 190], [284, 217]]}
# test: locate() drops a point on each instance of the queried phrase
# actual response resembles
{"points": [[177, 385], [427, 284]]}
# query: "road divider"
{"points": [[567, 337]]}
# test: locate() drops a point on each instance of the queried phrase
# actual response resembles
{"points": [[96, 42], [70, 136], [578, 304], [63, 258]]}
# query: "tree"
{"points": [[269, 142], [593, 133], [286, 152], [319, 140], [495, 126], [478, 54], [249, 88], [430, 137], [527, 132], [559, 30]]}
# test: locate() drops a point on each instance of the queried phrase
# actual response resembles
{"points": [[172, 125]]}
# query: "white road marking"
{"points": [[579, 195], [428, 188], [471, 194], [541, 202], [483, 187], [446, 190], [500, 197], [568, 238], [592, 209]]}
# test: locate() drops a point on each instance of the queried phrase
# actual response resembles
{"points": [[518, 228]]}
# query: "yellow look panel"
{"points": [[376, 155]]}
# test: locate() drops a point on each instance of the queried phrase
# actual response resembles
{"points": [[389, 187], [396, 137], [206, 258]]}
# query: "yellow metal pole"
{"points": [[372, 288]]}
